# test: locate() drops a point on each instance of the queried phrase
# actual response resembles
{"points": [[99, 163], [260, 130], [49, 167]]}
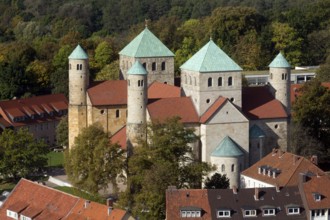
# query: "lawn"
{"points": [[55, 159], [81, 194]]}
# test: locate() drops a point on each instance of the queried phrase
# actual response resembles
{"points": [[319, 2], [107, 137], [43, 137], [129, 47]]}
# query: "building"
{"points": [[279, 168], [39, 114], [258, 203], [32, 201], [225, 116]]}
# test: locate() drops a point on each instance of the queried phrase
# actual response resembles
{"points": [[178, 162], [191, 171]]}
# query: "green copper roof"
{"points": [[78, 54], [137, 69], [279, 62], [256, 132], [210, 59], [227, 148], [146, 44]]}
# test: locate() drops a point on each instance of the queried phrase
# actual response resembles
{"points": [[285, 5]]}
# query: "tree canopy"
{"points": [[166, 159], [217, 181], [20, 154], [94, 161]]}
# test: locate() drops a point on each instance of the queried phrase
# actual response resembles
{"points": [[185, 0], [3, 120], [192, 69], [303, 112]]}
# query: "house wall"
{"points": [[45, 131], [248, 182]]}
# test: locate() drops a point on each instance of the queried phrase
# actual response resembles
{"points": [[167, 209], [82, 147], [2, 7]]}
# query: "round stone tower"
{"points": [[137, 84], [280, 79], [78, 84]]}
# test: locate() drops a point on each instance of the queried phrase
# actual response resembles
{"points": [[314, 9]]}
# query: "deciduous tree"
{"points": [[217, 181]]}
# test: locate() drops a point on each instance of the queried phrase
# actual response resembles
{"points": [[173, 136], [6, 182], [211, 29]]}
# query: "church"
{"points": [[237, 125]]}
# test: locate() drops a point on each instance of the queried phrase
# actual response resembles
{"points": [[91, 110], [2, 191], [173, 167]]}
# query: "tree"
{"points": [[20, 154], [109, 72], [94, 161], [323, 73], [104, 54], [62, 132], [217, 181], [312, 112], [164, 160]]}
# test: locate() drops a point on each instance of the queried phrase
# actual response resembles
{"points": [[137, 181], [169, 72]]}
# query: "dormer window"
{"points": [[223, 214], [293, 210], [317, 197], [268, 211], [250, 212], [12, 214], [191, 212], [25, 218]]}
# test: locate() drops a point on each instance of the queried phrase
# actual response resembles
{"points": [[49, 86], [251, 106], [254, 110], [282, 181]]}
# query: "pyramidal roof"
{"points": [[227, 148], [256, 132], [279, 62], [210, 59], [146, 44], [137, 69], [78, 53]]}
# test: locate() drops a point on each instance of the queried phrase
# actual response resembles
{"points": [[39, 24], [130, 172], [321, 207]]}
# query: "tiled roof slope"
{"points": [[158, 90], [213, 109], [210, 58], [137, 69], [256, 132], [258, 103], [279, 62], [146, 44], [209, 201], [120, 137], [289, 166], [41, 202], [227, 148], [170, 107], [317, 185], [32, 110]]}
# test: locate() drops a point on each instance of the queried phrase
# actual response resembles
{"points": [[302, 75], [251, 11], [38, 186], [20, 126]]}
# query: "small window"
{"points": [[195, 82], [139, 83], [209, 82], [282, 76], [230, 81], [286, 76], [207, 101], [185, 79], [80, 66], [77, 66], [232, 168], [142, 83], [268, 212], [153, 66], [70, 66], [190, 81], [317, 197], [163, 65], [223, 168], [183, 214], [271, 76], [223, 213], [293, 211], [252, 212], [220, 81], [144, 65], [276, 126], [117, 113]]}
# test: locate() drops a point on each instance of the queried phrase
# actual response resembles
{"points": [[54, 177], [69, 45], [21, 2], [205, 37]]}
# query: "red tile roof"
{"points": [[40, 202], [111, 92], [288, 164], [170, 107], [213, 109], [32, 106], [120, 137], [258, 103], [320, 185], [160, 90]]}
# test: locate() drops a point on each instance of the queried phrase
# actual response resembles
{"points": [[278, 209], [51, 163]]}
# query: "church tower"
{"points": [[78, 84], [137, 96], [280, 79]]}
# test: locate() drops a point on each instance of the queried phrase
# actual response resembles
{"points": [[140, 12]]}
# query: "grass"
{"points": [[4, 186], [55, 159], [82, 194]]}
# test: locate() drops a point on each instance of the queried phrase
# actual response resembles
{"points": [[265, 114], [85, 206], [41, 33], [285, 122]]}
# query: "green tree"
{"points": [[94, 161], [62, 132], [164, 160], [104, 54], [217, 181], [323, 73], [312, 112], [20, 154], [109, 72]]}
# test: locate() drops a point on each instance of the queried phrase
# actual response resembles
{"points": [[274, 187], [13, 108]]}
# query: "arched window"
{"points": [[230, 81], [195, 82], [271, 76], [282, 76], [80, 66], [77, 66], [286, 76], [232, 168], [153, 66], [117, 113], [139, 83], [185, 79], [220, 81], [144, 65], [223, 168], [163, 65], [209, 82], [190, 81]]}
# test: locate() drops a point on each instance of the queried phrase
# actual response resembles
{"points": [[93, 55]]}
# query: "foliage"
{"points": [[62, 132], [93, 161], [312, 112], [217, 181], [166, 159], [323, 73], [109, 72], [20, 154]]}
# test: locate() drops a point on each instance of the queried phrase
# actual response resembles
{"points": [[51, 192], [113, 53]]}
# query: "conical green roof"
{"points": [[137, 69], [210, 59], [78, 54], [256, 132], [227, 148], [146, 44], [279, 62]]}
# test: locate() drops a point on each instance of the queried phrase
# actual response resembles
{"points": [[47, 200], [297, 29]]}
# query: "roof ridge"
{"points": [[208, 46], [226, 99], [143, 34]]}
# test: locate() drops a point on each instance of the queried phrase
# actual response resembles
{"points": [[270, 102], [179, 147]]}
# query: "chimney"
{"points": [[314, 159], [277, 187], [109, 210], [234, 189], [86, 203], [256, 194], [280, 153], [109, 202]]}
